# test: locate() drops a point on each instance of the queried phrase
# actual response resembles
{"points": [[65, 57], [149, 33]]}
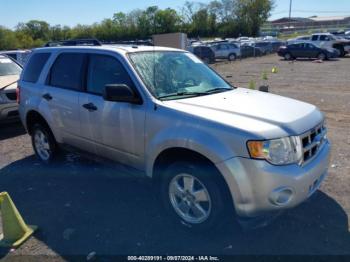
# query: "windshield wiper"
{"points": [[183, 94], [218, 90]]}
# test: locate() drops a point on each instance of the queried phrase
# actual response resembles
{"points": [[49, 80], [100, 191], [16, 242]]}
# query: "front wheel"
{"points": [[288, 56], [192, 196], [43, 142]]}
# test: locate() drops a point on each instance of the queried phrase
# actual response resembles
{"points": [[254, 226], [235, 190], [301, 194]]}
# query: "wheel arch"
{"points": [[171, 155], [33, 117]]}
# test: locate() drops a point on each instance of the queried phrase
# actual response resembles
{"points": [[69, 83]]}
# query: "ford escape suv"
{"points": [[214, 151]]}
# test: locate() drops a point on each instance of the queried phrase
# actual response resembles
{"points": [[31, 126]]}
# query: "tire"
{"points": [[200, 207], [288, 56], [232, 57], [342, 51], [206, 60], [44, 143], [321, 56]]}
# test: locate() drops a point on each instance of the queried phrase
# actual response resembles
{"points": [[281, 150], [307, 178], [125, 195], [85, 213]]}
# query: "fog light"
{"points": [[281, 196]]}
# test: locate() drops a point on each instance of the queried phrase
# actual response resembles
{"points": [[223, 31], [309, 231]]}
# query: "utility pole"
{"points": [[290, 11]]}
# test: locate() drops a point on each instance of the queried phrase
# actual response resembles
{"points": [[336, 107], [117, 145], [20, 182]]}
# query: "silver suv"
{"points": [[227, 51], [214, 151]]}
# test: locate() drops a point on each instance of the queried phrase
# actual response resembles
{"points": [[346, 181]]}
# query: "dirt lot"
{"points": [[83, 207]]}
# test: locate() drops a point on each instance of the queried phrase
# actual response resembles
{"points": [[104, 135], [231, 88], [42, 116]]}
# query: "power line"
{"points": [[312, 11]]}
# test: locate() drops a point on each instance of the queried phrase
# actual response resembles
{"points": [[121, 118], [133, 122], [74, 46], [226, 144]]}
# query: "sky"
{"points": [[72, 12]]}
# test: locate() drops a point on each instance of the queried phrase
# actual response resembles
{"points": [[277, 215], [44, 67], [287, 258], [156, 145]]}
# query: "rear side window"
{"points": [[324, 38], [105, 70], [35, 66], [314, 38], [67, 71]]}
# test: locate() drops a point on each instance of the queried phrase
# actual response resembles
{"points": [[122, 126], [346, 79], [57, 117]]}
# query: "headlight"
{"points": [[283, 151]]}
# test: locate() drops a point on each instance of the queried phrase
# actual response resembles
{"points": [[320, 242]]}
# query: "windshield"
{"points": [[175, 75], [8, 67]]}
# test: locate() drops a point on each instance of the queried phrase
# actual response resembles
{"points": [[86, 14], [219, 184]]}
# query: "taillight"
{"points": [[18, 94]]}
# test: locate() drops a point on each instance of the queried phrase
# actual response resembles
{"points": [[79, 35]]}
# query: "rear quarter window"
{"points": [[34, 67], [67, 71]]}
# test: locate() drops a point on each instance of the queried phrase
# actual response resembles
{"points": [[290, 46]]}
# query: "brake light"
{"points": [[18, 94]]}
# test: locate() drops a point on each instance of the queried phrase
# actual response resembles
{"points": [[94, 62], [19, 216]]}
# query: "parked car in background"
{"points": [[249, 51], [307, 50], [205, 53], [227, 51], [276, 44], [212, 155], [328, 40], [298, 39], [21, 56], [9, 75], [265, 47]]}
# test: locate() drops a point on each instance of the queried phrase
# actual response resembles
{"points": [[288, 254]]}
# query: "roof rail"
{"points": [[75, 42]]}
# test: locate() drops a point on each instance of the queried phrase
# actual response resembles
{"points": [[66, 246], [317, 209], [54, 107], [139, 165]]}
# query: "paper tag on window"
{"points": [[194, 58], [5, 61]]}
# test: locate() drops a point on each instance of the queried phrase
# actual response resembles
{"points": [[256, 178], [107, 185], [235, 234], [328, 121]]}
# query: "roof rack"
{"points": [[74, 42]]}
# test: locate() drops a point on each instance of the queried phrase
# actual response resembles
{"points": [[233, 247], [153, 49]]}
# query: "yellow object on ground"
{"points": [[274, 70], [15, 230]]}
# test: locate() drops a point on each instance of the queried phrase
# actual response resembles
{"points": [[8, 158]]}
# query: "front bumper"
{"points": [[254, 183], [9, 112]]}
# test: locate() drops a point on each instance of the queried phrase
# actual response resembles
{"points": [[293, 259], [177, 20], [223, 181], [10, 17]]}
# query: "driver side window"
{"points": [[105, 70]]}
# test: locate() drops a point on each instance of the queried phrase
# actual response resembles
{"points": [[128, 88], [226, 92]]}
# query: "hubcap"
{"points": [[321, 56], [190, 198], [42, 145], [287, 56]]}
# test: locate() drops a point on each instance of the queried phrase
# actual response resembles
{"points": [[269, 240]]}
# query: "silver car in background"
{"points": [[229, 51], [9, 75]]}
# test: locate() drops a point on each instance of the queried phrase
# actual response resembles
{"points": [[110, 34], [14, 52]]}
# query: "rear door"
{"points": [[64, 83], [312, 50], [114, 130]]}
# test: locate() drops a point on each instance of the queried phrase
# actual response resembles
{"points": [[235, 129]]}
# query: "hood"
{"points": [[8, 82], [263, 114]]}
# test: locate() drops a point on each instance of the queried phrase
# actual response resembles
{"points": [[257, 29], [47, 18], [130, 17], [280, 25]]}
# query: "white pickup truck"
{"points": [[328, 40]]}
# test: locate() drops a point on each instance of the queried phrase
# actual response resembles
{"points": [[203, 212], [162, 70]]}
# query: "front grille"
{"points": [[11, 96], [312, 141]]}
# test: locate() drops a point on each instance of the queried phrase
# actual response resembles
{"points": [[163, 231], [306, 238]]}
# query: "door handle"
{"points": [[90, 107], [47, 97]]}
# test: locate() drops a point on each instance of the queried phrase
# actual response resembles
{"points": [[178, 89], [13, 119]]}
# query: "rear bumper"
{"points": [[9, 112], [254, 184]]}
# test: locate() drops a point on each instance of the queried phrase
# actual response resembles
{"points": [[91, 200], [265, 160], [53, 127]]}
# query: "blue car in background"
{"points": [[307, 50]]}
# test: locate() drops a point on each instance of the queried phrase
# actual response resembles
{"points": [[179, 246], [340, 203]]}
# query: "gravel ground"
{"points": [[83, 206]]}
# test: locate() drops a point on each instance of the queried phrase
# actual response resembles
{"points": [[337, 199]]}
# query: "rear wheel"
{"points": [[322, 56], [341, 51], [44, 143], [192, 196], [232, 57], [206, 60], [288, 56]]}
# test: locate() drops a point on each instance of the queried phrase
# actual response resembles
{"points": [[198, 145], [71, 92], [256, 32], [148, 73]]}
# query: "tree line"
{"points": [[218, 18]]}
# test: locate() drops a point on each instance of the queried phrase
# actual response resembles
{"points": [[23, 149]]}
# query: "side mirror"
{"points": [[121, 93], [264, 89]]}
